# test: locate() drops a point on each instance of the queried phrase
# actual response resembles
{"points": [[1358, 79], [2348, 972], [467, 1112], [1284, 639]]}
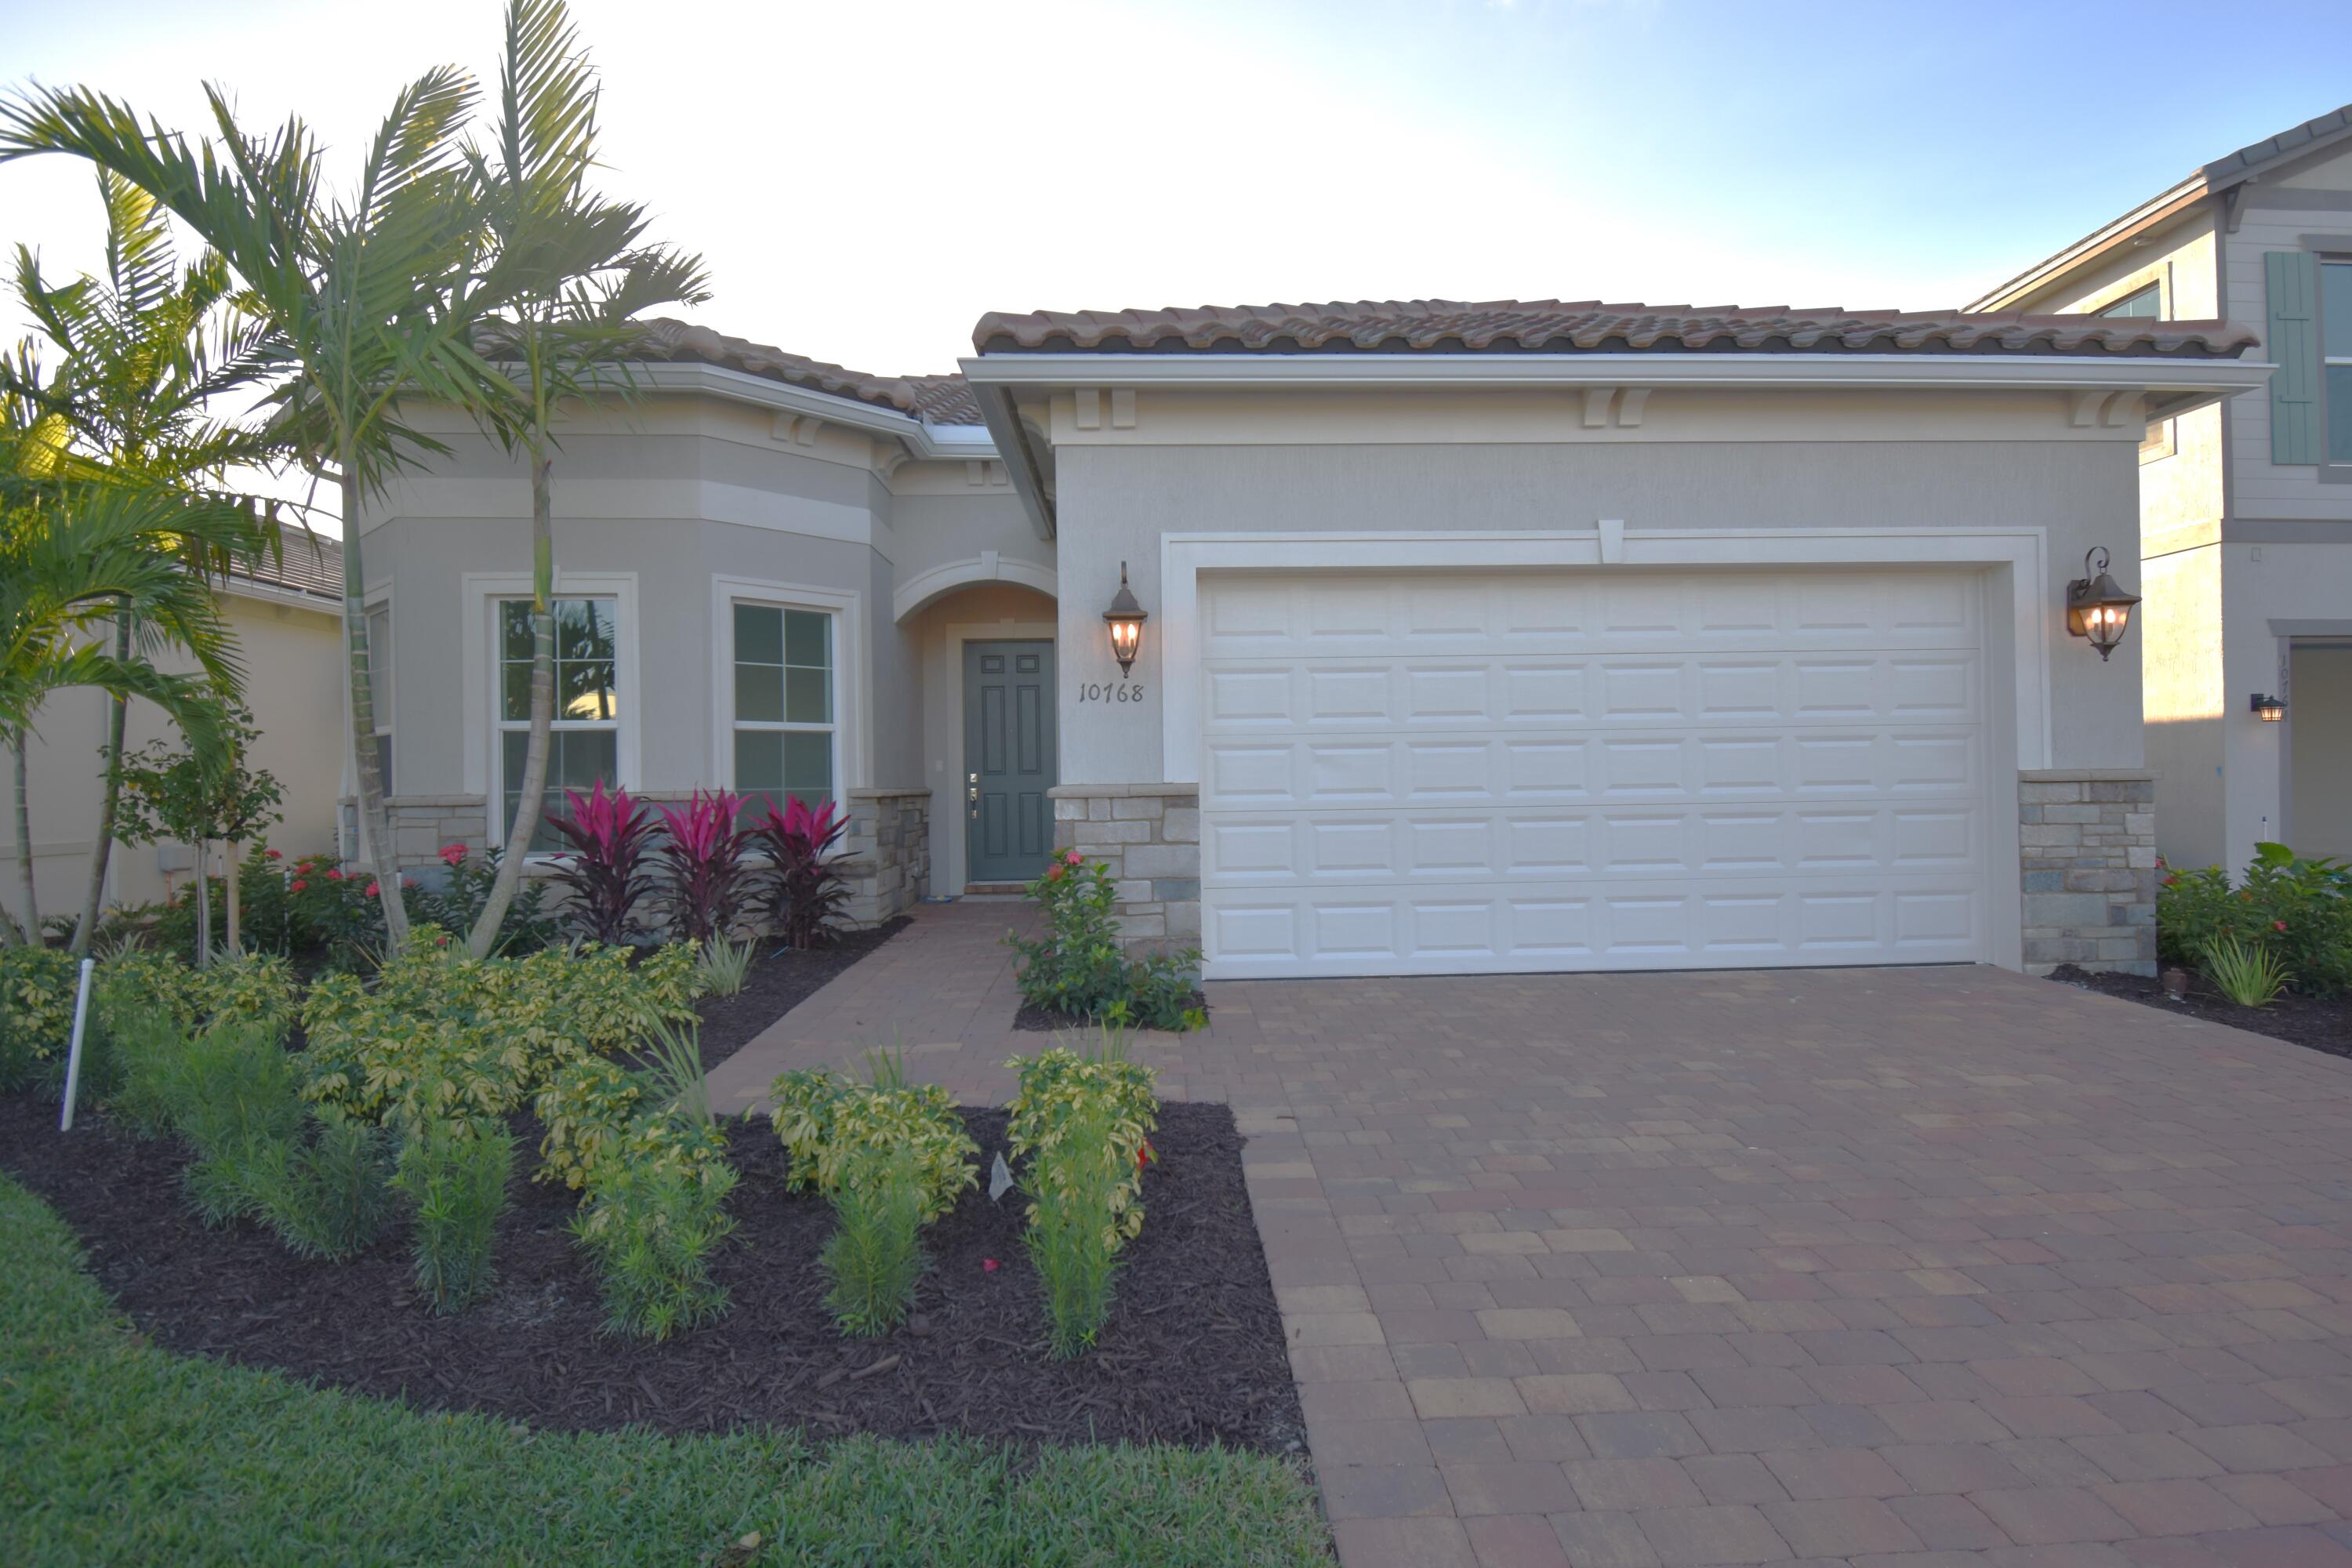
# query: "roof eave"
{"points": [[2180, 199], [922, 438]]}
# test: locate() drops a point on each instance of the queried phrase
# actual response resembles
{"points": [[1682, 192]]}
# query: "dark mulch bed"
{"points": [[1035, 1020], [780, 981], [1193, 1354], [2322, 1023]]}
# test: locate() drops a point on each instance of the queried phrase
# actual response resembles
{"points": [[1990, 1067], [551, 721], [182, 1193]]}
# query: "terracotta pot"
{"points": [[2176, 984]]}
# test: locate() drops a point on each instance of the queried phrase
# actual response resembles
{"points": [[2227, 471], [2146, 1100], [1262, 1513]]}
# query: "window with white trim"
{"points": [[2335, 355], [379, 658], [786, 710], [584, 739]]}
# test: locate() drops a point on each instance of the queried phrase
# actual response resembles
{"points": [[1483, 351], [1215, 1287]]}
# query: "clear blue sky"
{"points": [[866, 178]]}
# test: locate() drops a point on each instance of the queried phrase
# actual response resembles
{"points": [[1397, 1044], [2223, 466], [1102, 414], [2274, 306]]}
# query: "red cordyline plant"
{"points": [[611, 836], [704, 852], [805, 889]]}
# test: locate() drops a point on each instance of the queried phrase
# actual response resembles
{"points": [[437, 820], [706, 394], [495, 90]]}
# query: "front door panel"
{"points": [[1009, 759]]}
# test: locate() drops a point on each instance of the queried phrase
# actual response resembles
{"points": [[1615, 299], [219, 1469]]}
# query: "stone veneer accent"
{"points": [[887, 851], [2086, 845], [1149, 835], [888, 847]]}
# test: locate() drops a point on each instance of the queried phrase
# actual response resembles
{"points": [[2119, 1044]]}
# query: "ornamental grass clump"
{"points": [[874, 1255], [331, 1197], [723, 966], [1080, 1125], [2248, 974], [230, 1091], [453, 1173]]}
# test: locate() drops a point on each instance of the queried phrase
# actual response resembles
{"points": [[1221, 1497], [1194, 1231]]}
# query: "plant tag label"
{"points": [[1000, 1178]]}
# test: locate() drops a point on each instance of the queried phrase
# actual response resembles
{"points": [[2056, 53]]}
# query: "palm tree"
{"points": [[571, 271], [364, 302], [73, 554], [145, 354]]}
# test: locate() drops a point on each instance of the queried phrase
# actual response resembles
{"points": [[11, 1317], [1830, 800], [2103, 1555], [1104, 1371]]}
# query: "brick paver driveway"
{"points": [[1853, 1265]]}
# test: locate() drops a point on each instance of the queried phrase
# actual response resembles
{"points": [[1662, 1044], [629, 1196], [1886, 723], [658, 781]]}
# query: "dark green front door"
{"points": [[1008, 758]]}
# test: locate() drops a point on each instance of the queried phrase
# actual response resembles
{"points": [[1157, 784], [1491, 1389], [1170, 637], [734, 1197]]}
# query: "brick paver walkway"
{"points": [[1911, 1266]]}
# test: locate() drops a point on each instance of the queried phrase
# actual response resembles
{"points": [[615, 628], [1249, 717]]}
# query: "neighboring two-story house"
{"points": [[2245, 505]]}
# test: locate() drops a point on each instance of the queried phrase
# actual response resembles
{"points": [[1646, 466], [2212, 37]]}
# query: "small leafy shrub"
{"points": [[2249, 974], [1053, 1088], [828, 1121], [587, 1108], [651, 1226], [874, 1255], [528, 925], [804, 887], [2296, 908], [724, 966], [331, 1197], [703, 851], [36, 1004], [1077, 1188], [607, 868], [453, 1174], [1080, 1122], [484, 1035], [1078, 969]]}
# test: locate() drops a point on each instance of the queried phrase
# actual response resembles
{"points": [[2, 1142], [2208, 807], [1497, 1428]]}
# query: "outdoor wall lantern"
{"points": [[2096, 605], [1125, 618], [2269, 709]]}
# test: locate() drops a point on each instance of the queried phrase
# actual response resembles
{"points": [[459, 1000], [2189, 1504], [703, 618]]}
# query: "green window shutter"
{"points": [[2291, 279]]}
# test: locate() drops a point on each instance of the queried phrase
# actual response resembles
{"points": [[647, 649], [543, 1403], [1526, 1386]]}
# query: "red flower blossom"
{"points": [[271, 854], [1074, 858], [2278, 925], [1144, 1155], [333, 875], [989, 1265], [372, 889], [298, 885], [1054, 873], [453, 854]]}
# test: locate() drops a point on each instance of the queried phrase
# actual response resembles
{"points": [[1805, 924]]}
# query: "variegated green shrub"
{"points": [[36, 1003], [827, 1119], [1057, 1084]]}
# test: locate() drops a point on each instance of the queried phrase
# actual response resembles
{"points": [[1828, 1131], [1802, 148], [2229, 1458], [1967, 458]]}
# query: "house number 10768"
{"points": [[1111, 692]]}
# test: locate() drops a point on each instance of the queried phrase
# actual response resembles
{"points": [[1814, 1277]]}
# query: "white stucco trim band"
{"points": [[988, 566], [2020, 555]]}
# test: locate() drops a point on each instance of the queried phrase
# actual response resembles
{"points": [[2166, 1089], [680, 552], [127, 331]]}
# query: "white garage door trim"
{"points": [[2014, 657]]}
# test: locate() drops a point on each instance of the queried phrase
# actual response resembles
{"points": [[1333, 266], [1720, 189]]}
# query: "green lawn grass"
{"points": [[112, 1451]]}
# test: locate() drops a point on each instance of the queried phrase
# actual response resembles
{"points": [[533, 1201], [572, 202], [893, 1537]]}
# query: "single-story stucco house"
{"points": [[1480, 638], [2245, 533]]}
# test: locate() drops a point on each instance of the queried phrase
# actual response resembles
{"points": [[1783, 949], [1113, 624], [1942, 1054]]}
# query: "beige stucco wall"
{"points": [[291, 654], [2184, 691], [662, 500], [2319, 738], [1116, 500]]}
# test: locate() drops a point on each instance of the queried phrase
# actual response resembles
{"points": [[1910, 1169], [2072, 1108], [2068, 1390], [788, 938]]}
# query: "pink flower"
{"points": [[298, 885], [1054, 873], [333, 875], [406, 880], [372, 889], [1074, 857], [453, 854], [989, 1265], [271, 854], [2278, 925]]}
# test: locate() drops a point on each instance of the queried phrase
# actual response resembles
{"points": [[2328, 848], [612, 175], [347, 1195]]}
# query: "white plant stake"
{"points": [[73, 1055], [1000, 1178]]}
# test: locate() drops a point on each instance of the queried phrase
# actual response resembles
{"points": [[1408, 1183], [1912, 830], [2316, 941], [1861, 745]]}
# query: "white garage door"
{"points": [[1436, 773]]}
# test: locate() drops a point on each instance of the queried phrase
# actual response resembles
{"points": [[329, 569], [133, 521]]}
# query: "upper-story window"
{"points": [[2148, 301], [584, 742], [2336, 349]]}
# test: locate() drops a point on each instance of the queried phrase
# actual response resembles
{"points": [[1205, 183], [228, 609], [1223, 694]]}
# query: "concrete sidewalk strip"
{"points": [[1864, 1264]]}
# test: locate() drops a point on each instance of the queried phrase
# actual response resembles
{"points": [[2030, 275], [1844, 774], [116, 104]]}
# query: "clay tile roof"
{"points": [[1549, 326], [941, 399], [307, 563]]}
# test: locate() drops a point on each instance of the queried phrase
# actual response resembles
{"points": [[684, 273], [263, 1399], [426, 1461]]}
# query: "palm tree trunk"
{"points": [[204, 911], [375, 825], [236, 936], [485, 934], [109, 799], [31, 925]]}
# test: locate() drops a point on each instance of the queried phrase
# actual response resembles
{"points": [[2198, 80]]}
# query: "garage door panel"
{"points": [[1694, 923], [1593, 771]]}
